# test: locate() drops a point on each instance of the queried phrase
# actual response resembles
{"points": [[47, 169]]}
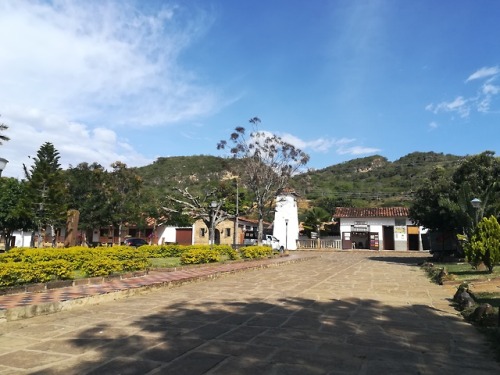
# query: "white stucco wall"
{"points": [[166, 234], [376, 226], [286, 208], [23, 239]]}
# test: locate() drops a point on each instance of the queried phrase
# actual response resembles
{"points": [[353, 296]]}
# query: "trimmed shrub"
{"points": [[198, 256], [18, 273], [485, 243], [256, 252], [102, 267]]}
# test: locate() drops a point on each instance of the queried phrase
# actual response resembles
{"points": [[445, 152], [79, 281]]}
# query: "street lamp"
{"points": [[213, 206], [476, 203], [3, 164], [235, 232], [286, 234]]}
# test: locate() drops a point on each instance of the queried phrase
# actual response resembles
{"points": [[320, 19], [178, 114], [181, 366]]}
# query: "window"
{"points": [[202, 232], [228, 232], [400, 222]]}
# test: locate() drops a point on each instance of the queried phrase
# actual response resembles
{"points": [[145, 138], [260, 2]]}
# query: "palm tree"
{"points": [[3, 138], [315, 217]]}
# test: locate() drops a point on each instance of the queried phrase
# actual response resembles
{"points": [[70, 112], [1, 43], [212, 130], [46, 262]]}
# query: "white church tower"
{"points": [[286, 219]]}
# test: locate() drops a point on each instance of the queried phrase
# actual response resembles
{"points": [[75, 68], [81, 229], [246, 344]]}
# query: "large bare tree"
{"points": [[209, 208], [267, 164]]}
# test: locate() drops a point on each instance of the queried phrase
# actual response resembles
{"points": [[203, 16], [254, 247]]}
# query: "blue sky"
{"points": [[341, 79]]}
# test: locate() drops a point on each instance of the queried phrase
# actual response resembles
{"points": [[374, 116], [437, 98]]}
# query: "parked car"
{"points": [[268, 240], [135, 242]]}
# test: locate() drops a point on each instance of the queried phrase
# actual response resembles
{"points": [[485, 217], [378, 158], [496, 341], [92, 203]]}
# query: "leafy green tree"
{"points": [[484, 246], [122, 190], [443, 203], [13, 214], [46, 190], [267, 165], [315, 218], [86, 194]]}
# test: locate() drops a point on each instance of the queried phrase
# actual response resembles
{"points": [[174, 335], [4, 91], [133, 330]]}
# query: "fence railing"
{"points": [[319, 244]]}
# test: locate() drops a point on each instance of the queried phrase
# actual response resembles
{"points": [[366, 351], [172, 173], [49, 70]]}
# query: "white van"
{"points": [[251, 238]]}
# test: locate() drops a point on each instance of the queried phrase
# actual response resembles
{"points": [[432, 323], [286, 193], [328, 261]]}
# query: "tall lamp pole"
{"points": [[235, 234], [476, 203], [3, 164], [213, 206], [286, 234]]}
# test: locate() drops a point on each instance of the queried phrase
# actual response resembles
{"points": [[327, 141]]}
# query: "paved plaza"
{"points": [[334, 313]]}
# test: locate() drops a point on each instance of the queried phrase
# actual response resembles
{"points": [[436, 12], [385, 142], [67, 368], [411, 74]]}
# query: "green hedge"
{"points": [[198, 256], [27, 265], [256, 252], [22, 265]]}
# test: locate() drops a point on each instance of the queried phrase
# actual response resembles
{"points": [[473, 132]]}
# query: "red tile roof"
{"points": [[370, 212]]}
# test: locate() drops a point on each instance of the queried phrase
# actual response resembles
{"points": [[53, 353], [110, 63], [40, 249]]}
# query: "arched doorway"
{"points": [[217, 237]]}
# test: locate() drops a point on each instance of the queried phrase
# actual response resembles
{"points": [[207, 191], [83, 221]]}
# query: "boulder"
{"points": [[483, 314]]}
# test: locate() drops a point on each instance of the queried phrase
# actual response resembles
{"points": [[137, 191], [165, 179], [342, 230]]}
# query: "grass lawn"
{"points": [[465, 272]]}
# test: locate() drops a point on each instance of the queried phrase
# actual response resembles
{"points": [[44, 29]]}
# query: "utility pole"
{"points": [[235, 232]]}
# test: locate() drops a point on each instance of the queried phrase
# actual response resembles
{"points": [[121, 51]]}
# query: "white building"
{"points": [[383, 228], [286, 219]]}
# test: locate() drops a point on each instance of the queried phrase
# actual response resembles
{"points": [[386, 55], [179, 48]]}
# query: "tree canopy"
{"points": [[46, 188], [267, 165], [443, 202]]}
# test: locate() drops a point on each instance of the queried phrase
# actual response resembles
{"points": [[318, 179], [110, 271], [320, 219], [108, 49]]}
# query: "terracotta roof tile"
{"points": [[370, 212]]}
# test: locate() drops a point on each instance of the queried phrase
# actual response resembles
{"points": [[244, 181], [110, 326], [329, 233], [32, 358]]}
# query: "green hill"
{"points": [[363, 182]]}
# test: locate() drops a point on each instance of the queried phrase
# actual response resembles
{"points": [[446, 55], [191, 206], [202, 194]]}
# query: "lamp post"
{"points": [[235, 232], [286, 234], [3, 164], [476, 203], [213, 206]]}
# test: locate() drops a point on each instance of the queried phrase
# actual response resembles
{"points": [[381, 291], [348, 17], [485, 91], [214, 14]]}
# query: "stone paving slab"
{"points": [[42, 300], [341, 313]]}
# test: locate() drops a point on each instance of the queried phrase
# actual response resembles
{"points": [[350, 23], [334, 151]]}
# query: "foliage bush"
{"points": [[27, 265], [485, 243], [256, 252], [18, 273], [164, 251], [198, 256]]}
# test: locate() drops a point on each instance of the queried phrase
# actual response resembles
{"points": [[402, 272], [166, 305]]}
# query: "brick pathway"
{"points": [[28, 304], [341, 313]]}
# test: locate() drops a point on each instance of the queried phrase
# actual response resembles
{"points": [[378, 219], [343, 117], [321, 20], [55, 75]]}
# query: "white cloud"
{"points": [[323, 145], [76, 73], [433, 125], [482, 101], [459, 105], [75, 142], [489, 89], [484, 72], [80, 58], [357, 150]]}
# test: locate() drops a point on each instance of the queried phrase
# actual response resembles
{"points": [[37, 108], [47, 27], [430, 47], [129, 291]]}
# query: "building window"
{"points": [[400, 222], [228, 232], [203, 231]]}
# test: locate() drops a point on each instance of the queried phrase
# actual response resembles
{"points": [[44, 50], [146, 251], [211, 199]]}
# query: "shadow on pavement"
{"points": [[291, 336]]}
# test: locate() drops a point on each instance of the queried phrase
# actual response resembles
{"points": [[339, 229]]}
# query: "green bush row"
{"points": [[169, 251], [23, 266], [27, 265], [17, 273], [198, 256], [256, 252]]}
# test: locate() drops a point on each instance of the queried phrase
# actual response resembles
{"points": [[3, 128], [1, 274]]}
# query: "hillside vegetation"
{"points": [[365, 182]]}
